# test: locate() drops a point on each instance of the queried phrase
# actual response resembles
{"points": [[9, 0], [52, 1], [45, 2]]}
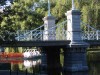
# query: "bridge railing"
{"points": [[59, 32], [28, 35], [89, 32], [7, 35], [31, 35], [91, 35]]}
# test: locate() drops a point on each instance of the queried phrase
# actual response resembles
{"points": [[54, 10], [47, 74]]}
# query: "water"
{"points": [[94, 68], [32, 67], [19, 67]]}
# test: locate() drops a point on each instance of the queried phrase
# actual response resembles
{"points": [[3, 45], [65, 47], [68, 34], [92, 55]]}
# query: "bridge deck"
{"points": [[93, 42], [43, 43], [33, 43]]}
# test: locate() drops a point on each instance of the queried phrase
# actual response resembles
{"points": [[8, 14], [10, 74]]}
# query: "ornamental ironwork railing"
{"points": [[89, 32], [58, 32]]}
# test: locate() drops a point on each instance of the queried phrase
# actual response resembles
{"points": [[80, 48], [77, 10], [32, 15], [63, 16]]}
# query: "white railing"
{"points": [[58, 31], [90, 33], [31, 35], [61, 31], [7, 35], [28, 35]]}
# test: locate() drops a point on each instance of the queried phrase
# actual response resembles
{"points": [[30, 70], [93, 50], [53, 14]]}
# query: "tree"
{"points": [[19, 17], [2, 2]]}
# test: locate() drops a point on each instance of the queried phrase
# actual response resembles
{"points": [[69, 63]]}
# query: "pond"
{"points": [[32, 67], [19, 67], [94, 68]]}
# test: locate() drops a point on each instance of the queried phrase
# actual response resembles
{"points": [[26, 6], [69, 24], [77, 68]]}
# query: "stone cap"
{"points": [[78, 44], [73, 12], [49, 18]]}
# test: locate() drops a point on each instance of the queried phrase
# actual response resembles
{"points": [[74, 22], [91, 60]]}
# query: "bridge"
{"points": [[58, 32], [72, 35], [53, 36]]}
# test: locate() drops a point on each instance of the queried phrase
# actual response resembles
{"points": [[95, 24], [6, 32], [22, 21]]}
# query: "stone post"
{"points": [[73, 26], [1, 49], [53, 60], [49, 30], [48, 34], [50, 64], [43, 67], [75, 62]]}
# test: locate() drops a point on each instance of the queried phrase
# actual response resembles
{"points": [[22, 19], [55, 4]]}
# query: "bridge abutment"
{"points": [[52, 61], [49, 28], [43, 67], [75, 62], [1, 49]]}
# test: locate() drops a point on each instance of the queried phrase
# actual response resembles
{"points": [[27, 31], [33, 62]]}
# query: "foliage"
{"points": [[2, 2], [20, 15], [90, 11]]}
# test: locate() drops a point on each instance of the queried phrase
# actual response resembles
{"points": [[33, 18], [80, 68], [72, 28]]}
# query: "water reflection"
{"points": [[19, 67], [32, 67], [94, 68], [30, 53], [31, 63]]}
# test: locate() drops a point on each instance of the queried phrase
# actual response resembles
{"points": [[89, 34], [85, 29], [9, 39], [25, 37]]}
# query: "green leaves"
{"points": [[2, 2], [20, 14]]}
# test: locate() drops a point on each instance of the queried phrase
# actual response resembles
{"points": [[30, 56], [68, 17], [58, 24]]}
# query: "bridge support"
{"points": [[52, 60], [43, 67], [49, 31], [1, 49], [75, 62]]}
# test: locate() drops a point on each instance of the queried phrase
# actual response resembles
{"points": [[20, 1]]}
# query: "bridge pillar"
{"points": [[75, 62], [1, 49], [49, 31], [53, 60], [43, 68]]}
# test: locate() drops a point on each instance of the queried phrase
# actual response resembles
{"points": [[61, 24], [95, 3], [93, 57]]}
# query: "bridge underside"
{"points": [[33, 43], [43, 43], [93, 43]]}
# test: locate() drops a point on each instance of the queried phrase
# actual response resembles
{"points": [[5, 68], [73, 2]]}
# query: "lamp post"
{"points": [[73, 6], [49, 14]]}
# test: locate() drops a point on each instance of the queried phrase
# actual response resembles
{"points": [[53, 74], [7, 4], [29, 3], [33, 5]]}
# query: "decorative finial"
{"points": [[73, 6], [49, 14]]}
